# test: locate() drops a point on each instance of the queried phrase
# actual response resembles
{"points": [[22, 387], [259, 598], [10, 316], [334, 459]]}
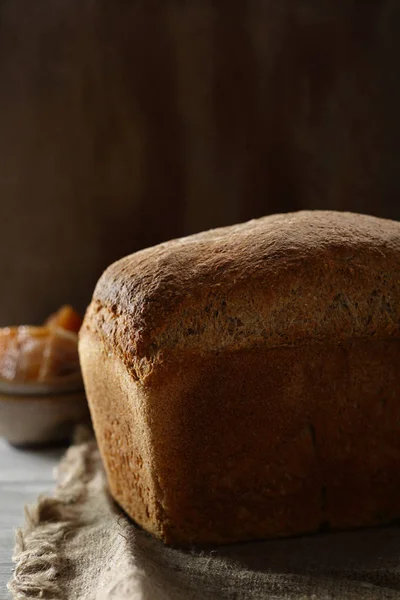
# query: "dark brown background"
{"points": [[126, 123]]}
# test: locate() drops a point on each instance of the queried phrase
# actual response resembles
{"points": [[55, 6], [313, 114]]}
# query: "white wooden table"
{"points": [[24, 474]]}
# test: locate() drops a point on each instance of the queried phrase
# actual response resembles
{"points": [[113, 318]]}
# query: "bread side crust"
{"points": [[120, 416], [255, 443]]}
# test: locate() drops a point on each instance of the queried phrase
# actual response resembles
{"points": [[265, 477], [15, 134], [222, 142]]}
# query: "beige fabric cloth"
{"points": [[79, 545]]}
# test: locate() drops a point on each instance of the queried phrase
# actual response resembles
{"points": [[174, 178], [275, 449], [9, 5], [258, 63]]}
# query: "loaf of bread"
{"points": [[245, 382]]}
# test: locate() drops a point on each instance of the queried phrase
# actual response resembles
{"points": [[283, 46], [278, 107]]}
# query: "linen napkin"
{"points": [[79, 545]]}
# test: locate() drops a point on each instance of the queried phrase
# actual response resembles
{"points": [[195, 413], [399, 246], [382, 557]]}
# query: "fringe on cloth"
{"points": [[78, 545], [50, 521]]}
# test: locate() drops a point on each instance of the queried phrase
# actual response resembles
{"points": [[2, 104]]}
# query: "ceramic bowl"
{"points": [[38, 413]]}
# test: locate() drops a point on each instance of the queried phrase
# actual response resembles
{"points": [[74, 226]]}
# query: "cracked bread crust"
{"points": [[243, 383], [275, 281]]}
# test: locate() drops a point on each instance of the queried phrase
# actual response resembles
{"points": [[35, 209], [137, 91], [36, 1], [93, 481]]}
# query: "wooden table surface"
{"points": [[24, 474]]}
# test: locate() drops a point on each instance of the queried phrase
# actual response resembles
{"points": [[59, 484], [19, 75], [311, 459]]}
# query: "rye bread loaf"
{"points": [[244, 382]]}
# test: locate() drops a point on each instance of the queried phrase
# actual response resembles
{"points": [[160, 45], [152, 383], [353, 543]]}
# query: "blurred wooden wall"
{"points": [[125, 123]]}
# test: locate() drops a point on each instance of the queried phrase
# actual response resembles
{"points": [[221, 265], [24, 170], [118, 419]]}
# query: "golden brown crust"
{"points": [[120, 419], [252, 373], [262, 443], [270, 282], [252, 444]]}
